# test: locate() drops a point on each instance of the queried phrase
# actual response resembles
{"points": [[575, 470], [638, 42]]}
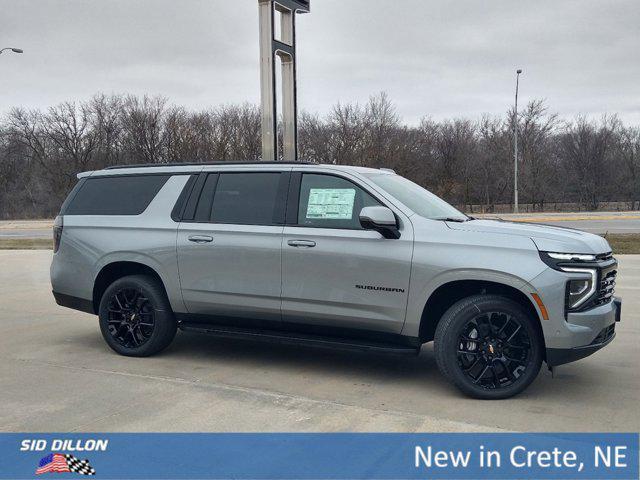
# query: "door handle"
{"points": [[301, 243], [200, 239]]}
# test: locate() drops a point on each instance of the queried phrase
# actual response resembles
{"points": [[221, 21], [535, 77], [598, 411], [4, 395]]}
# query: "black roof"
{"points": [[203, 164]]}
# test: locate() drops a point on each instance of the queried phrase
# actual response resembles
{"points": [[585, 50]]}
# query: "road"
{"points": [[25, 229], [602, 226], [26, 233], [56, 374], [593, 222]]}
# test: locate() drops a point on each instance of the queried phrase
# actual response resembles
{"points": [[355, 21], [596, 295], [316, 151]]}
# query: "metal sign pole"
{"points": [[283, 48]]}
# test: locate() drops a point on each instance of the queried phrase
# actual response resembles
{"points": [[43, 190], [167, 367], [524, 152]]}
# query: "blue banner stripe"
{"points": [[330, 456]]}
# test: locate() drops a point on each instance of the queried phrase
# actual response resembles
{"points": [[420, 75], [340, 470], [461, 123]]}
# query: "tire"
{"points": [[511, 363], [136, 326]]}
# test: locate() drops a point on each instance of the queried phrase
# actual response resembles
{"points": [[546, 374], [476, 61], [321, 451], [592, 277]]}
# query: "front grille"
{"points": [[606, 287], [605, 334]]}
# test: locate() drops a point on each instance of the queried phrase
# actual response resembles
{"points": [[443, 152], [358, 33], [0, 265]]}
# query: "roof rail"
{"points": [[202, 164]]}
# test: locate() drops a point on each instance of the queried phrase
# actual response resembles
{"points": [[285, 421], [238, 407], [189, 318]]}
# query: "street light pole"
{"points": [[14, 50], [515, 149]]}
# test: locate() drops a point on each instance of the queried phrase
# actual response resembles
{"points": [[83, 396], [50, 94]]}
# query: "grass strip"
{"points": [[26, 244]]}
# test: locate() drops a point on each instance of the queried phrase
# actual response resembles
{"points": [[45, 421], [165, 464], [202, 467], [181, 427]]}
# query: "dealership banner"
{"points": [[319, 456]]}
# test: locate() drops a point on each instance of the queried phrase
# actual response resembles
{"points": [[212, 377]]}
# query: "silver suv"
{"points": [[329, 255]]}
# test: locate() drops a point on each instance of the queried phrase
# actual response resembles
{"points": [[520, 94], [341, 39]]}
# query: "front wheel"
{"points": [[489, 347], [136, 319]]}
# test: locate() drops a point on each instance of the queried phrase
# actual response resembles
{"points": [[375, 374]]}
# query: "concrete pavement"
{"points": [[57, 374]]}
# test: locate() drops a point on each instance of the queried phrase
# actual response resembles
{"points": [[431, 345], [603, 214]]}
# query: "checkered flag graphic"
{"points": [[79, 466]]}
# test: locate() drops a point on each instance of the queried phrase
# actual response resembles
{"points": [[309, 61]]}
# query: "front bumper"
{"points": [[560, 356]]}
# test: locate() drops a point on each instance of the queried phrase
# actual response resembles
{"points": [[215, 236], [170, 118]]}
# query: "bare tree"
{"points": [[349, 127], [69, 130], [315, 139], [143, 122], [381, 134], [537, 128], [469, 163], [454, 147], [628, 148], [107, 112], [586, 148], [493, 162]]}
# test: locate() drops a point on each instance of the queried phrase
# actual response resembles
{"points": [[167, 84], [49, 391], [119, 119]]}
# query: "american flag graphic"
{"points": [[64, 463]]}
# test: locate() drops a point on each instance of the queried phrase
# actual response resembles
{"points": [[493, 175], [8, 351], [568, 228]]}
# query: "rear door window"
{"points": [[250, 198], [118, 195]]}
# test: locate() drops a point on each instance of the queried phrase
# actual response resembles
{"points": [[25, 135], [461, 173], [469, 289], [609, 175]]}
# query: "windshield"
{"points": [[421, 201]]}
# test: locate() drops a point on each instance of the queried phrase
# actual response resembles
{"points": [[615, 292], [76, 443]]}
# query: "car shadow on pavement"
{"points": [[249, 362], [365, 367], [404, 371]]}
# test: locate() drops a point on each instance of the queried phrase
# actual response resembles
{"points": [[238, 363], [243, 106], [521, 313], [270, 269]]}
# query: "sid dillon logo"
{"points": [[64, 463], [57, 462]]}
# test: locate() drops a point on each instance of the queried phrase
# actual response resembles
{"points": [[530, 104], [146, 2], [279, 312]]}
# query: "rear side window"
{"points": [[71, 196], [120, 195], [249, 198]]}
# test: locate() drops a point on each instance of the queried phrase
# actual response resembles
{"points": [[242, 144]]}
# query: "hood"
{"points": [[547, 238]]}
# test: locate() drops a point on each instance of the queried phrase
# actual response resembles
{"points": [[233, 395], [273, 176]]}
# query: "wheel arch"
{"points": [[451, 292], [119, 269]]}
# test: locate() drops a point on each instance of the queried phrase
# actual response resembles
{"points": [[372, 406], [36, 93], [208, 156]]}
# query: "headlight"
{"points": [[579, 290], [572, 257]]}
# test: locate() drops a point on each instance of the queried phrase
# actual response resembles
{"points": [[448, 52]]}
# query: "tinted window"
{"points": [[122, 195], [71, 196], [178, 209], [248, 199], [331, 202], [203, 212]]}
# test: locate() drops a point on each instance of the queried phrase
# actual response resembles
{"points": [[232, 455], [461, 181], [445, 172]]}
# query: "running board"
{"points": [[295, 338]]}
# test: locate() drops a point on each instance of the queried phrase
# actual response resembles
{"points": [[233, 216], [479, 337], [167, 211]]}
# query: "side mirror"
{"points": [[380, 219]]}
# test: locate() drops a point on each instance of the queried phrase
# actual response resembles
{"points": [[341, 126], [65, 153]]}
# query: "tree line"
{"points": [[577, 164]]}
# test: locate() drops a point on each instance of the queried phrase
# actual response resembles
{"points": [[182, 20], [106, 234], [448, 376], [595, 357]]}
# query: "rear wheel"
{"points": [[135, 316], [489, 347]]}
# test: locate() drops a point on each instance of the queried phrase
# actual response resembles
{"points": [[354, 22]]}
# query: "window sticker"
{"points": [[331, 203]]}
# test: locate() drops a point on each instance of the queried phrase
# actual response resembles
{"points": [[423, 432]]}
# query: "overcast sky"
{"points": [[440, 58]]}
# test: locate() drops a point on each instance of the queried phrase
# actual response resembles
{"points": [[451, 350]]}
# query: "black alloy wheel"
{"points": [[131, 318], [493, 350], [136, 319], [489, 346]]}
